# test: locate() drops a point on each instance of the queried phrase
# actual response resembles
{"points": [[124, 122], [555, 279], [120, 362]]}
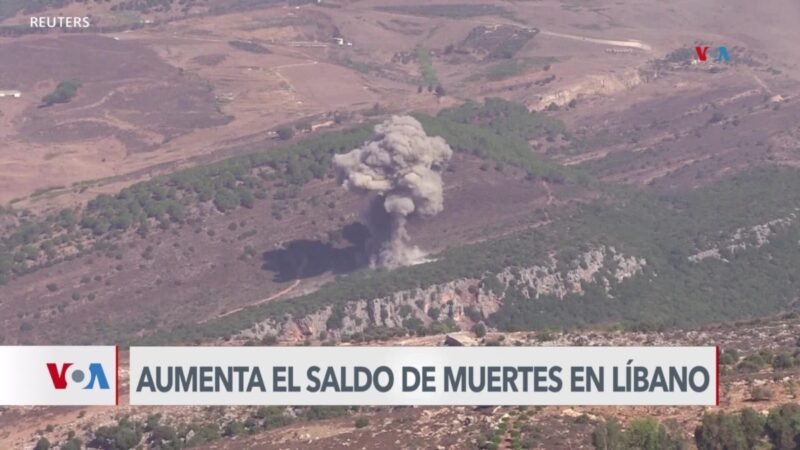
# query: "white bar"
{"points": [[144, 391], [25, 379]]}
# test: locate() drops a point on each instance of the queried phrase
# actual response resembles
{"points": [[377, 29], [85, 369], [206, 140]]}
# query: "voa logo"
{"points": [[720, 52], [59, 372]]}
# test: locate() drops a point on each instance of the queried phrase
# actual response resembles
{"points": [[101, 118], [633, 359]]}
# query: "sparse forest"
{"points": [[239, 182], [672, 290]]}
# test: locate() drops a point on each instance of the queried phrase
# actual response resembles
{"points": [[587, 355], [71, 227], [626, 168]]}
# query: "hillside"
{"points": [[676, 260], [760, 366]]}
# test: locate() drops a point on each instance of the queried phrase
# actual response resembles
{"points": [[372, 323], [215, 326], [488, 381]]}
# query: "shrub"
{"points": [[783, 427], [479, 329], [720, 431], [412, 323], [42, 444], [64, 92], [234, 428], [72, 444], [783, 361], [285, 133], [648, 434], [404, 311], [729, 357], [760, 393], [752, 426], [123, 436], [362, 422], [607, 435]]}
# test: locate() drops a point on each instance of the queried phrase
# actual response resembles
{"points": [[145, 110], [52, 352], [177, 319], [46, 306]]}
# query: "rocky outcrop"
{"points": [[597, 265], [463, 301], [591, 85], [744, 238], [432, 304]]}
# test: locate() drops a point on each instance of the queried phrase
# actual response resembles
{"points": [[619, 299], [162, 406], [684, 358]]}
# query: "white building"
{"points": [[8, 93]]}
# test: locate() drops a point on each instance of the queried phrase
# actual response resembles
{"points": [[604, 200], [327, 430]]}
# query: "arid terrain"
{"points": [[458, 427], [606, 187]]}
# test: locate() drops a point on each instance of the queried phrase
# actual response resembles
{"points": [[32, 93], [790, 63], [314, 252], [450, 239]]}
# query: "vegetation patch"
{"points": [[249, 46], [426, 66], [499, 131], [496, 130], [10, 8], [510, 68], [64, 92]]}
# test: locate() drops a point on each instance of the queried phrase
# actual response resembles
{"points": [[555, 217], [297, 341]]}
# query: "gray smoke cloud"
{"points": [[402, 165]]}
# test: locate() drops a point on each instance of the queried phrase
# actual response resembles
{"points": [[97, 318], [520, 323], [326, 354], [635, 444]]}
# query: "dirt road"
{"points": [[628, 44]]}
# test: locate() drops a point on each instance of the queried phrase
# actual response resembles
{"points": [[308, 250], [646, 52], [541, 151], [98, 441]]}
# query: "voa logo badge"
{"points": [[721, 53], [77, 376]]}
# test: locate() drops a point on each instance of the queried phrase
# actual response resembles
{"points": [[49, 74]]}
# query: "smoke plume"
{"points": [[402, 165]]}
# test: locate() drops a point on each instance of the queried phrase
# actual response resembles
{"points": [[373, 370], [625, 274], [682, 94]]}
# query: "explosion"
{"points": [[403, 166]]}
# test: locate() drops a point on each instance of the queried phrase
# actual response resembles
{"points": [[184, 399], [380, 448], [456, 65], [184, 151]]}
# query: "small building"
{"points": [[10, 93]]}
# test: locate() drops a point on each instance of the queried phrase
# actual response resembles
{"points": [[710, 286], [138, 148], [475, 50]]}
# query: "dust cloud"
{"points": [[402, 165]]}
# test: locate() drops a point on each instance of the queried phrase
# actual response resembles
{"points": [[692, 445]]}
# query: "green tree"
{"points": [[729, 357], [479, 329], [648, 434], [123, 436], [752, 426], [783, 427], [607, 435], [226, 199], [413, 323], [42, 444], [720, 431], [246, 198], [6, 265], [783, 361], [233, 428], [285, 133]]}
